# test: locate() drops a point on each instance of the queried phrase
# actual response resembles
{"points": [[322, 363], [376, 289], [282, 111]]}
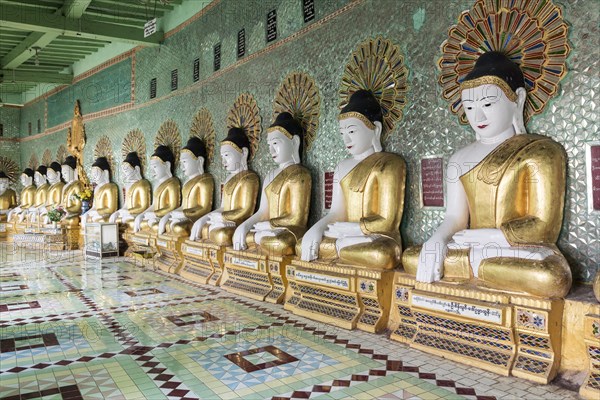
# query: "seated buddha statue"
{"points": [[41, 193], [8, 197], [596, 286], [239, 193], [55, 191], [505, 211], [196, 194], [106, 194], [138, 192], [285, 199], [70, 203], [27, 196], [167, 192], [362, 227]]}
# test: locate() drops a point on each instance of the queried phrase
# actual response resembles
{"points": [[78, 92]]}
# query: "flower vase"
{"points": [[85, 206], [54, 225]]}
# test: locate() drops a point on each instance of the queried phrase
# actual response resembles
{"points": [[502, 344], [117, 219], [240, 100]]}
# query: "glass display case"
{"points": [[101, 240]]}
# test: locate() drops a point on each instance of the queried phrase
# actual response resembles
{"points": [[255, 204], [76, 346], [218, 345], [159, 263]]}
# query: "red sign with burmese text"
{"points": [[328, 192], [432, 182], [595, 174]]}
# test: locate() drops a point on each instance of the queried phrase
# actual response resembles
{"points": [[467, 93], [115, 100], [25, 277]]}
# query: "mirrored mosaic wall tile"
{"points": [[322, 51]]}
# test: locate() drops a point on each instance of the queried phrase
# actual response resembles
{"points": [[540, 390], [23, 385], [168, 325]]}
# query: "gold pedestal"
{"points": [[170, 258], [202, 262], [591, 385], [343, 295], [501, 332], [141, 247], [255, 275]]}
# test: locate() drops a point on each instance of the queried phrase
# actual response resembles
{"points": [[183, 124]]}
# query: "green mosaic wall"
{"points": [[418, 27], [30, 115], [10, 118]]}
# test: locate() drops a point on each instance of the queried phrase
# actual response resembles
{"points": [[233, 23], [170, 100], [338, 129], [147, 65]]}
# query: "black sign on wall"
{"points": [[29, 127], [217, 60], [308, 7], [271, 25], [39, 125], [174, 79], [241, 43], [152, 88], [196, 70], [1, 129]]}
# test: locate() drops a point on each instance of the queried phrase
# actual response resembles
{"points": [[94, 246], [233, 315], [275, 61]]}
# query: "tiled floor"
{"points": [[73, 329]]}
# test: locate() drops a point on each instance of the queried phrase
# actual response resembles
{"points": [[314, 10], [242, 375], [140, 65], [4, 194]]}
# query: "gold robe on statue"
{"points": [[27, 197], [374, 195], [54, 195], [238, 202], [288, 196], [137, 200], [197, 200], [518, 188], [106, 200], [8, 200], [41, 195], [166, 198], [71, 204]]}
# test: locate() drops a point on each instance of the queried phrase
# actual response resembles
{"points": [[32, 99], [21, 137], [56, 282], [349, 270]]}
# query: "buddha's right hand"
{"points": [[162, 224], [137, 223], [239, 237], [310, 245], [431, 261], [197, 228], [113, 217]]}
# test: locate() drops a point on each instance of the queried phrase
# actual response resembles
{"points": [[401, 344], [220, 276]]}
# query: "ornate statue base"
{"points": [[255, 275], [509, 334], [141, 246], [170, 257], [591, 385], [203, 262], [343, 295]]}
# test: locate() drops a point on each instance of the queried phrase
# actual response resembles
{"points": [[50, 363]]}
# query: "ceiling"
{"points": [[40, 40]]}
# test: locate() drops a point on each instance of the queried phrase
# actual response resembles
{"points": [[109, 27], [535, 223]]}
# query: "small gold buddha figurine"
{"points": [[41, 193], [27, 197], [70, 203], [285, 201], [106, 194], [504, 214], [363, 226], [239, 193], [197, 192], [596, 286], [55, 191], [8, 197], [138, 192], [167, 193]]}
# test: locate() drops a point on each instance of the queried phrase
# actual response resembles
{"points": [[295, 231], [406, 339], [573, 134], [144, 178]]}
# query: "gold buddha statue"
{"points": [[285, 200], [138, 192], [54, 191], [238, 200], [504, 213], [362, 227], [106, 194], [41, 193], [167, 193], [8, 197], [596, 286], [73, 186], [27, 197], [197, 192]]}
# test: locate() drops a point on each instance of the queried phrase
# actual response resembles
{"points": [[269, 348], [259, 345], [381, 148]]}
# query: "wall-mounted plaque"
{"points": [[271, 25], [174, 79], [196, 70], [308, 7], [152, 88], [241, 43], [217, 60], [328, 189], [432, 182], [593, 176]]}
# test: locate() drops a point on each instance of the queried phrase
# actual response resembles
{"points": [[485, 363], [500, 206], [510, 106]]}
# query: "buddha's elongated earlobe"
{"points": [[518, 119], [377, 137]]}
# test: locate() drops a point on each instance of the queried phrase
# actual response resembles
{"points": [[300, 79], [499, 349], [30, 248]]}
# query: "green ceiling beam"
{"points": [[22, 52], [15, 17], [6, 76]]}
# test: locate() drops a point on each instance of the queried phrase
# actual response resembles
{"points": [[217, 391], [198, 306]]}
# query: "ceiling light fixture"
{"points": [[37, 49]]}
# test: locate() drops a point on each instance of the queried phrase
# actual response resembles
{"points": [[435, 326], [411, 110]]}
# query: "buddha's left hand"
{"points": [[480, 237]]}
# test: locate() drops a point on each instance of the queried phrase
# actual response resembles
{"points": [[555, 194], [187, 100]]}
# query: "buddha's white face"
{"points": [[231, 158], [67, 172], [159, 168], [281, 147], [96, 175], [128, 172], [489, 111], [3, 185], [190, 165], [358, 138], [39, 179], [53, 176], [25, 180]]}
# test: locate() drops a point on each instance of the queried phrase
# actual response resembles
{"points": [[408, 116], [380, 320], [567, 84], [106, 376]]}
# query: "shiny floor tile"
{"points": [[76, 329]]}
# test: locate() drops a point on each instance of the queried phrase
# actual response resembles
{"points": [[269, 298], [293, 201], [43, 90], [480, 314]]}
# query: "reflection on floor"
{"points": [[73, 329]]}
